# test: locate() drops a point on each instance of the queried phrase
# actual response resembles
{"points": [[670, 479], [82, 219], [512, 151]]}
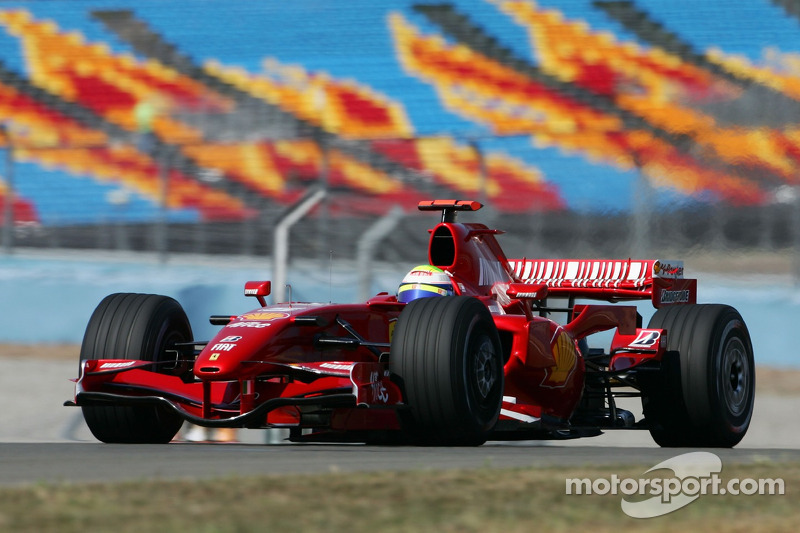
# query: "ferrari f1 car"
{"points": [[485, 361]]}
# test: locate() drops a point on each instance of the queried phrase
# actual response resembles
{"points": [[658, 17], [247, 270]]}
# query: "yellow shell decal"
{"points": [[566, 357], [265, 316]]}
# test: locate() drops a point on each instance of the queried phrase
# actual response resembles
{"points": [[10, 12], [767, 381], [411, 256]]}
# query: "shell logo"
{"points": [[265, 316], [566, 357]]}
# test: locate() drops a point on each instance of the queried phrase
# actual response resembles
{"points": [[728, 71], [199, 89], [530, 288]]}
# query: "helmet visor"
{"points": [[411, 291]]}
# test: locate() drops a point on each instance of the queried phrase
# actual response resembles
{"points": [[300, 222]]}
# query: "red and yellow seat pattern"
{"points": [[22, 210], [110, 85], [345, 108], [147, 96], [509, 184], [662, 88], [736, 163], [385, 122], [650, 84], [53, 139]]}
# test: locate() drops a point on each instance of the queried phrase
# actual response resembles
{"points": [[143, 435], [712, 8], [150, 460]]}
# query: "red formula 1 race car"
{"points": [[465, 352]]}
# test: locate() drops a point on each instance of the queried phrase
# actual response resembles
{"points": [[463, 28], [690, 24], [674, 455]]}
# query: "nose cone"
{"points": [[253, 342], [237, 345], [218, 360]]}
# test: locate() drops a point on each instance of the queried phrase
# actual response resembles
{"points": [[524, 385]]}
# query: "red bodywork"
{"points": [[323, 368]]}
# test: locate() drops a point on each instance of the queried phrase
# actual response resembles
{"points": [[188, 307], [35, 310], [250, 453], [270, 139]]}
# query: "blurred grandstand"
{"points": [[587, 127]]}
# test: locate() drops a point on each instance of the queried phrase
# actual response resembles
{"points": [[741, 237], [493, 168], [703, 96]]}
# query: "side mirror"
{"points": [[525, 291], [259, 289]]}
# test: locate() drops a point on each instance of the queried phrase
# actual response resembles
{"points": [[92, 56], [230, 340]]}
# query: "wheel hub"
{"points": [[735, 377], [485, 371]]}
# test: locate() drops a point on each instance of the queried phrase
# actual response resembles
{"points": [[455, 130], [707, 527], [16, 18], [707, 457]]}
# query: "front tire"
{"points": [[704, 394], [138, 327], [446, 356]]}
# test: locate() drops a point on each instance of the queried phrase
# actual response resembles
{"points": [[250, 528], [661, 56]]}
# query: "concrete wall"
{"points": [[47, 298]]}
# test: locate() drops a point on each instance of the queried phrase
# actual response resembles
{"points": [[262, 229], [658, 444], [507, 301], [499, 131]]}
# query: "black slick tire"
{"points": [[703, 395], [137, 327], [446, 356]]}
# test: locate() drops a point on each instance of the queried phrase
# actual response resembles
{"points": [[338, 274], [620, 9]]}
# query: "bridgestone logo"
{"points": [[674, 297]]}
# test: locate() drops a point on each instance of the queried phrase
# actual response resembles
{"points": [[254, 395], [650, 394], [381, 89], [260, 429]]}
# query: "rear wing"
{"points": [[630, 279]]}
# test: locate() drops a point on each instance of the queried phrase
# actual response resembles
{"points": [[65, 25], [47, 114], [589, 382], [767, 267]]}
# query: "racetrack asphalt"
{"points": [[23, 464], [43, 441]]}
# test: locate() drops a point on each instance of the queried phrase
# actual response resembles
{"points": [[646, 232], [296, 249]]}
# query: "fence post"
{"points": [[366, 247], [642, 207], [483, 173], [795, 221], [323, 222], [165, 163], [280, 252], [8, 197]]}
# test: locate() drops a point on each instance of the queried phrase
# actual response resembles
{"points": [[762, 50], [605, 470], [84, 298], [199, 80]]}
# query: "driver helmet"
{"points": [[424, 281]]}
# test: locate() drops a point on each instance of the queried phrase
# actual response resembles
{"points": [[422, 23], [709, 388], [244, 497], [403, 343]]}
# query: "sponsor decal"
{"points": [[425, 274], [256, 325], [231, 338], [379, 392], [566, 357], [272, 315], [668, 270], [214, 357], [647, 338], [392, 324], [527, 295], [224, 346], [674, 297], [117, 365], [337, 366], [251, 292]]}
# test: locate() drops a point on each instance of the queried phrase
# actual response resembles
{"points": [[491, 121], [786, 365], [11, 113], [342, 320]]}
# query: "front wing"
{"points": [[295, 395]]}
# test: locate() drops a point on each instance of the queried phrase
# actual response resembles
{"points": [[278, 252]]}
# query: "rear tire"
{"points": [[704, 394], [137, 327], [446, 356]]}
